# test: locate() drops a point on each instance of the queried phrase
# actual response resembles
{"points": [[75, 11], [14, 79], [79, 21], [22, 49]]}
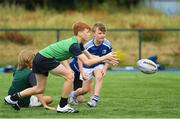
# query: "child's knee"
{"points": [[99, 78], [69, 76]]}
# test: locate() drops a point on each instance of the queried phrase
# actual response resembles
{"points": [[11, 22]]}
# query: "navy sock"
{"points": [[63, 102], [15, 97]]}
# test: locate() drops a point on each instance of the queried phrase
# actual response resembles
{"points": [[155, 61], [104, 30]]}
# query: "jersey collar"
{"points": [[95, 43]]}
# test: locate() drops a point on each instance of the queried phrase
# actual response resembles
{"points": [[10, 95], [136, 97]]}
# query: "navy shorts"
{"points": [[77, 81], [42, 65]]}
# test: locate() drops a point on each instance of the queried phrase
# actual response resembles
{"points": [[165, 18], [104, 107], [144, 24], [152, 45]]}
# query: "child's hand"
{"points": [[49, 107], [111, 62], [112, 58]]}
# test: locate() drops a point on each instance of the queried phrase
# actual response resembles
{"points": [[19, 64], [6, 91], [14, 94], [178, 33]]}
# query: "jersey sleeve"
{"points": [[32, 79], [109, 45], [82, 46], [110, 50], [75, 49]]}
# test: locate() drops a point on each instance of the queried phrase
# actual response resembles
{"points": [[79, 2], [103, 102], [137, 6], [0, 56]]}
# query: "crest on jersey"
{"points": [[104, 51]]}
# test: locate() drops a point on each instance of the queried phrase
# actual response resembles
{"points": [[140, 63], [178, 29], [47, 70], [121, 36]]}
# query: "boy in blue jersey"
{"points": [[98, 46]]}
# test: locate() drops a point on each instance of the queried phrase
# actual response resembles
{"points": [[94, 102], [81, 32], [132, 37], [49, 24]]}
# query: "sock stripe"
{"points": [[19, 95], [95, 98]]}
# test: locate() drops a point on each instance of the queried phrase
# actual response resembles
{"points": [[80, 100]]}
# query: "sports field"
{"points": [[124, 95]]}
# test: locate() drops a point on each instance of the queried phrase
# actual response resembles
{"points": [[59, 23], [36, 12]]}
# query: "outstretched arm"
{"points": [[77, 51], [43, 102], [88, 62], [89, 55]]}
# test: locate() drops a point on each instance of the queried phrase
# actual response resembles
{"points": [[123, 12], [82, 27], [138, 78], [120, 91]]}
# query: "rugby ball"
{"points": [[147, 66]]}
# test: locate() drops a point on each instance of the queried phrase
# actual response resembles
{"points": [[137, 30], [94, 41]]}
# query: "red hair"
{"points": [[80, 26]]}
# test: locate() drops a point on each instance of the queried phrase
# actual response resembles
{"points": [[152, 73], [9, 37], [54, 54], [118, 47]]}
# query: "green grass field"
{"points": [[124, 95]]}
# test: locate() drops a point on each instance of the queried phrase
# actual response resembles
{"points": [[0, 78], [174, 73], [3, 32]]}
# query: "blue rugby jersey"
{"points": [[99, 50]]}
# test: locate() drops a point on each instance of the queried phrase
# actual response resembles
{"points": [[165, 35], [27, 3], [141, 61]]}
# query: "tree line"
{"points": [[70, 4]]}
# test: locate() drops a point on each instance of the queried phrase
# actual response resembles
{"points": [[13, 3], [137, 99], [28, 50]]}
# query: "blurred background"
{"points": [[132, 27]]}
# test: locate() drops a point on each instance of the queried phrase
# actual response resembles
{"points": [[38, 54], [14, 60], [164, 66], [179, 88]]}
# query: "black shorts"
{"points": [[42, 65], [77, 81]]}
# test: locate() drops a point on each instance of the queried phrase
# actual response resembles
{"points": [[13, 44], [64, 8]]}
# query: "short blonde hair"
{"points": [[25, 58], [80, 26], [100, 26]]}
